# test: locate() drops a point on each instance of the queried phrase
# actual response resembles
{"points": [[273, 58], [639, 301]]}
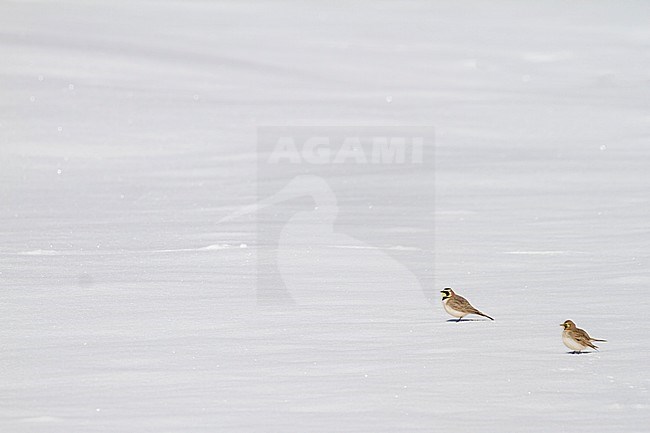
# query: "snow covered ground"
{"points": [[141, 291]]}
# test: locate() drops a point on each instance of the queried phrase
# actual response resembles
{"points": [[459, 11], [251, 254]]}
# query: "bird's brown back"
{"points": [[459, 303]]}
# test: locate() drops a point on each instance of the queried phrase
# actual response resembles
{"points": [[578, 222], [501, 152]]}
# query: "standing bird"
{"points": [[458, 306], [575, 338]]}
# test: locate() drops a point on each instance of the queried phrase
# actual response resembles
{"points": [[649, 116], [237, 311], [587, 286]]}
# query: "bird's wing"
{"points": [[582, 337], [461, 304]]}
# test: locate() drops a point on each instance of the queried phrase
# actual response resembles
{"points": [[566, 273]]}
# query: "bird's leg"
{"points": [[458, 319]]}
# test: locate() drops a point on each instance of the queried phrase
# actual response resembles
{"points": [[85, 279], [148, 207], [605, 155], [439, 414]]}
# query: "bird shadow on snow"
{"points": [[466, 320]]}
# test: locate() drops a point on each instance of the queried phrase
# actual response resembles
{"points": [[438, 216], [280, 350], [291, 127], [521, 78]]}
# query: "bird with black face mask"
{"points": [[458, 306]]}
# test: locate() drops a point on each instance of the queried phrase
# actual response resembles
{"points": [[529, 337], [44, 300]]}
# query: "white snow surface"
{"points": [[128, 133]]}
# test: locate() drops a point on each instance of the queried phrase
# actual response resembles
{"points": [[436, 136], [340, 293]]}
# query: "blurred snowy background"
{"points": [[128, 131]]}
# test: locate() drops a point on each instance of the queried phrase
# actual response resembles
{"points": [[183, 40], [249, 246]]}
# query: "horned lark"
{"points": [[575, 338], [458, 306]]}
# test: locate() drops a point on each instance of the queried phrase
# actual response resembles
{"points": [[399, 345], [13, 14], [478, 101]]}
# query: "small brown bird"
{"points": [[458, 306], [575, 338]]}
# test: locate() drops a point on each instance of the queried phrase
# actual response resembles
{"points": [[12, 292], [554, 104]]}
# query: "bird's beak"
{"points": [[561, 324]]}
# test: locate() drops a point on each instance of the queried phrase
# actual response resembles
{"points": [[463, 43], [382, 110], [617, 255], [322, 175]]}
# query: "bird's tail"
{"points": [[484, 315], [596, 339]]}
